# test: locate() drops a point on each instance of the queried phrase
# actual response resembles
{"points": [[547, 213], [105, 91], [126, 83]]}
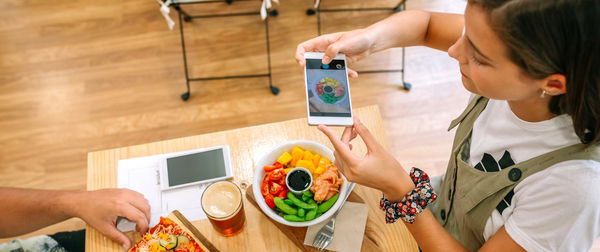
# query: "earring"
{"points": [[543, 94]]}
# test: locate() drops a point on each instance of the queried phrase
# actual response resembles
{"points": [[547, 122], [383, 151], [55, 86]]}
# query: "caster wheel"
{"points": [[275, 90], [185, 96], [310, 12], [407, 86], [274, 13]]}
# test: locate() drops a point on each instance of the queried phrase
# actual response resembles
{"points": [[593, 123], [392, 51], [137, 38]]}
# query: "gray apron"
{"points": [[468, 196]]}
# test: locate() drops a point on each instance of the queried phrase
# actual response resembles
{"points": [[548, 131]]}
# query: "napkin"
{"points": [[349, 228]]}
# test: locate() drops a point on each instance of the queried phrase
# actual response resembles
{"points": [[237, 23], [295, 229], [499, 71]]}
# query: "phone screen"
{"points": [[196, 167], [328, 93]]}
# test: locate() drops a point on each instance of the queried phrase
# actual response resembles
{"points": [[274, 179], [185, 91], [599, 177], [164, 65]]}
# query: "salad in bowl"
{"points": [[294, 206]]}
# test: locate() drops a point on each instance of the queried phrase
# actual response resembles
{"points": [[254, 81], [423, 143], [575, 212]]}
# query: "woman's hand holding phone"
{"points": [[356, 44], [377, 169]]}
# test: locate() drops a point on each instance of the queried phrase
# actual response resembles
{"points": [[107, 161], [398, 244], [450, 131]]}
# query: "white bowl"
{"points": [[270, 158]]}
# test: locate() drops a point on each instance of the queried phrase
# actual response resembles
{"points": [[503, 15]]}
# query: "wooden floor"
{"points": [[78, 76]]}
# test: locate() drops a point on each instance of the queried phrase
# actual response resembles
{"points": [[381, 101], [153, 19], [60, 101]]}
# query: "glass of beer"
{"points": [[222, 204]]}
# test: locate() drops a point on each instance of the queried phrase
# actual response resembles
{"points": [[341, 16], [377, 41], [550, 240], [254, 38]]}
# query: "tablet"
{"points": [[195, 167]]}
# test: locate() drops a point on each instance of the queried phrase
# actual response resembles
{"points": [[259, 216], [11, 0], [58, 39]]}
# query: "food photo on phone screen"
{"points": [[327, 88]]}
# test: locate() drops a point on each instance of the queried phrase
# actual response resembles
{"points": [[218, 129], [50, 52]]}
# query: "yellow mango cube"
{"points": [[316, 158], [306, 164], [308, 155], [325, 160], [297, 151], [297, 154], [284, 158], [294, 161], [320, 169]]}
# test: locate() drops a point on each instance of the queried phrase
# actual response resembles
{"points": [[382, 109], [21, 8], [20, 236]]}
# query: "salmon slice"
{"points": [[327, 184]]}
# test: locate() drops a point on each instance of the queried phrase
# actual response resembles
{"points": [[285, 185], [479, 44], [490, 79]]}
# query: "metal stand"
{"points": [[188, 18], [400, 7]]}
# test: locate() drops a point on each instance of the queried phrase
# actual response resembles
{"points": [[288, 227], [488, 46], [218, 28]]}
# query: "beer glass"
{"points": [[222, 204]]}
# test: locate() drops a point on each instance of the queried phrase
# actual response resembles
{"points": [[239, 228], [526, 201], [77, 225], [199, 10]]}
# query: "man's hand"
{"points": [[101, 208]]}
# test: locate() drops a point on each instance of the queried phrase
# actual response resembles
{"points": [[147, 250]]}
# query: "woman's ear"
{"points": [[555, 84]]}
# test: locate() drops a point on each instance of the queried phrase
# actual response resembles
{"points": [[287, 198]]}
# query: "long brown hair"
{"points": [[547, 37]]}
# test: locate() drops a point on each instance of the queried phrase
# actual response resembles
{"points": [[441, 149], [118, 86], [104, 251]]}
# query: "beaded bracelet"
{"points": [[413, 202]]}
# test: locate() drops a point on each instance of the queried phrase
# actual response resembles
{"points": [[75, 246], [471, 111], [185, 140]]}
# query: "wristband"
{"points": [[413, 202]]}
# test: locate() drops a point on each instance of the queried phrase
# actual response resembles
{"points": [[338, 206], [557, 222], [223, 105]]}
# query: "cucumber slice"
{"points": [[170, 243], [162, 243], [182, 239]]}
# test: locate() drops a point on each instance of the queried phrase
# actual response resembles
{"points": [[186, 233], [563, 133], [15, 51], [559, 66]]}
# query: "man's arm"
{"points": [[27, 210]]}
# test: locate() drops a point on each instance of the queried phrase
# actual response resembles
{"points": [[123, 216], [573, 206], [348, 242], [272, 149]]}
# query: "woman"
{"points": [[524, 173]]}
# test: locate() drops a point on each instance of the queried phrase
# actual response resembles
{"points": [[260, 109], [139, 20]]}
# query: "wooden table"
{"points": [[247, 146]]}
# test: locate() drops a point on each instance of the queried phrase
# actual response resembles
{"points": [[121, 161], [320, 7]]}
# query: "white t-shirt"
{"points": [[557, 209]]}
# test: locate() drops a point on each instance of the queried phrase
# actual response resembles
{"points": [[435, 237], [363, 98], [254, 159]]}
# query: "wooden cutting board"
{"points": [[297, 234], [188, 227]]}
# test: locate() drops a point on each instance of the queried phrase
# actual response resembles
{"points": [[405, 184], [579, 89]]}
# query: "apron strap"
{"points": [[573, 152], [470, 107]]}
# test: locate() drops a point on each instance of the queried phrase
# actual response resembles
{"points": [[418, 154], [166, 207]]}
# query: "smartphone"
{"points": [[327, 91], [195, 167]]}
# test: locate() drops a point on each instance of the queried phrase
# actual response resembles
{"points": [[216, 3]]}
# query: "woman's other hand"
{"points": [[377, 169]]}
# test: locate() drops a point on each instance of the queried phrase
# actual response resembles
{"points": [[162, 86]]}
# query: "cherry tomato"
{"points": [[278, 165], [283, 193], [276, 175], [264, 189], [282, 181], [275, 189], [270, 168], [269, 199]]}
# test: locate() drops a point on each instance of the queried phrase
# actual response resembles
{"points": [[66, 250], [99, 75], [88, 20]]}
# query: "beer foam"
{"points": [[221, 199]]}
